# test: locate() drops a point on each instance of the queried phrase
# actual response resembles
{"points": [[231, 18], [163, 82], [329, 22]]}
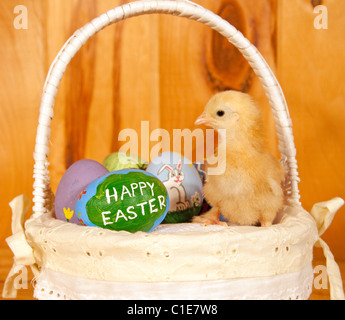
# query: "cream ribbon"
{"points": [[23, 253], [323, 214]]}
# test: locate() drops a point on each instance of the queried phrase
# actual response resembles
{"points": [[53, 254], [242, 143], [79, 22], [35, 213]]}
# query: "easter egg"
{"points": [[200, 166], [183, 184], [131, 200], [120, 160], [72, 183]]}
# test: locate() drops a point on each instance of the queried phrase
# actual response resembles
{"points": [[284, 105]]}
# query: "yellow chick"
{"points": [[249, 191]]}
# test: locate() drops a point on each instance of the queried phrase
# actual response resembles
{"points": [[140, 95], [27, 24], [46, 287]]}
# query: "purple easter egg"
{"points": [[76, 178]]}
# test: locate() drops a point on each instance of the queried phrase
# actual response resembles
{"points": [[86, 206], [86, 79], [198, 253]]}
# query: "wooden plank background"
{"points": [[310, 64], [164, 69]]}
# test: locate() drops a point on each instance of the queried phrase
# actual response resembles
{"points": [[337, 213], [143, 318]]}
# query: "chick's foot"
{"points": [[210, 217], [265, 223]]}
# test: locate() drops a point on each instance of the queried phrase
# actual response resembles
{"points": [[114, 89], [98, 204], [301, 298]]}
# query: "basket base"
{"points": [[53, 285]]}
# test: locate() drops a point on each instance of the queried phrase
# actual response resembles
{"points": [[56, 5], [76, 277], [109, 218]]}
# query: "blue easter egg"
{"points": [[200, 166], [183, 184]]}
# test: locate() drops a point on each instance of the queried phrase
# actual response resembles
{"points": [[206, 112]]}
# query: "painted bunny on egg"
{"points": [[176, 191]]}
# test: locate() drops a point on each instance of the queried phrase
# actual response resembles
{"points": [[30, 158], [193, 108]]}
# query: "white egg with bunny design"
{"points": [[183, 184]]}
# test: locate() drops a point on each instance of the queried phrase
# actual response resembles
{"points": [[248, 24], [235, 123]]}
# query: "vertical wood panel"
{"points": [[311, 70], [22, 56], [88, 95], [80, 82], [196, 62], [139, 85]]}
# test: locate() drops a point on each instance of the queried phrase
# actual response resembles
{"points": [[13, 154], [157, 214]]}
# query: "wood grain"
{"points": [[22, 53], [154, 77], [163, 69], [191, 74], [310, 68], [80, 87]]}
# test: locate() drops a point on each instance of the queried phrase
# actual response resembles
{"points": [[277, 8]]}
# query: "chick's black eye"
{"points": [[220, 113]]}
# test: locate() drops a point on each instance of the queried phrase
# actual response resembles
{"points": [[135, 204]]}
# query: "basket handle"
{"points": [[42, 194]]}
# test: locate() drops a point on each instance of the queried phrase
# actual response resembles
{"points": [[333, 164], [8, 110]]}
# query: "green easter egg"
{"points": [[131, 200], [120, 160]]}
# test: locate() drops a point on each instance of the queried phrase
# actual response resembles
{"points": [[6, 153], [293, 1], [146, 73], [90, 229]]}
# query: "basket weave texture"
{"points": [[171, 255]]}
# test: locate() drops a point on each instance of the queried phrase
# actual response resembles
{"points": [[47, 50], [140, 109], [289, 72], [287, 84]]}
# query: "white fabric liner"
{"points": [[53, 285]]}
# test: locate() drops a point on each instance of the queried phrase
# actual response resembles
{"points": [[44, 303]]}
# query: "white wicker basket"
{"points": [[76, 262]]}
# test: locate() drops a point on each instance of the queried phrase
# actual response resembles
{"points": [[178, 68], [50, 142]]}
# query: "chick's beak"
{"points": [[204, 119]]}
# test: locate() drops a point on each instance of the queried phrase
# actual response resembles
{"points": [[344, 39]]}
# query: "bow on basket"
{"points": [[323, 214], [23, 253]]}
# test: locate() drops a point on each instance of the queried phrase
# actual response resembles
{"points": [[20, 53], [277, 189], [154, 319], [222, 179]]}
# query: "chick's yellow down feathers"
{"points": [[249, 191]]}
